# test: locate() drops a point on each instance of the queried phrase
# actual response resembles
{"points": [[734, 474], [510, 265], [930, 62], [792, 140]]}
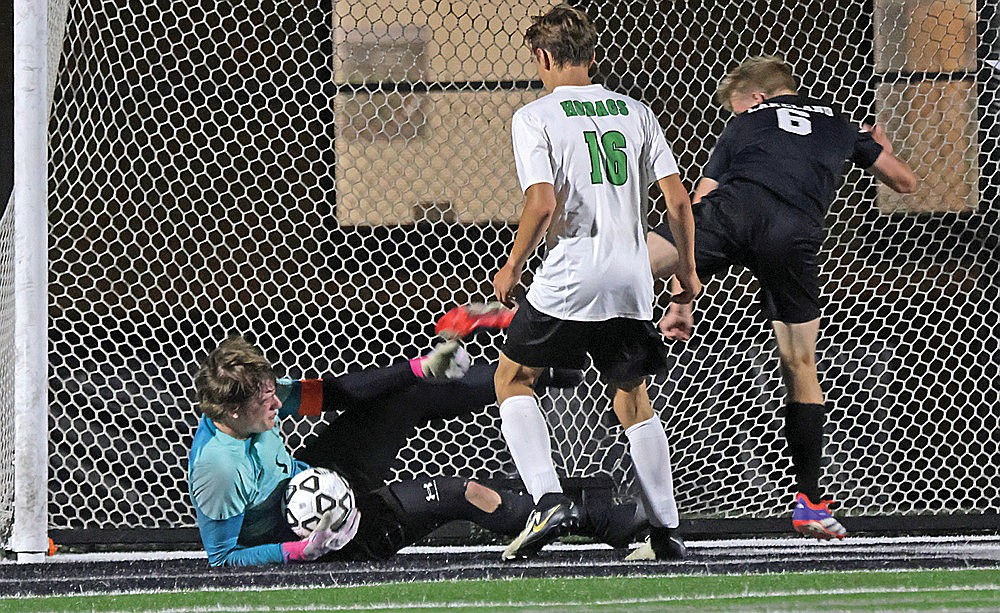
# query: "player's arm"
{"points": [[220, 535], [219, 506], [888, 168], [718, 163], [338, 393], [681, 222], [220, 539], [539, 207], [705, 187]]}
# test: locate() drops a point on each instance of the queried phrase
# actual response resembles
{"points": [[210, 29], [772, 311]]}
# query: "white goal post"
{"points": [[327, 177], [25, 232]]}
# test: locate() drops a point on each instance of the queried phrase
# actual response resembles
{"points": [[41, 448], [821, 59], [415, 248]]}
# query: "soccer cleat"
{"points": [[815, 520], [463, 320], [663, 544], [545, 524]]}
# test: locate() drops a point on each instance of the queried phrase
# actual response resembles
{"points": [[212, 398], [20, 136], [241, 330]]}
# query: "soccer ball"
{"points": [[313, 492]]}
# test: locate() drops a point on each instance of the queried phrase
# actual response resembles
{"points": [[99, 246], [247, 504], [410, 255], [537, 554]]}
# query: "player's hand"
{"points": [[323, 540], [678, 323], [504, 283], [343, 535], [878, 135], [448, 360], [690, 287]]}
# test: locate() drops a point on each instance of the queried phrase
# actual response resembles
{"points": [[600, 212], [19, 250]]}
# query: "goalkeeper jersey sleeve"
{"points": [[220, 537], [341, 392]]}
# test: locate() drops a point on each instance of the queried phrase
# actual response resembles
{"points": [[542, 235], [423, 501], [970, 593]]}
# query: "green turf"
{"points": [[875, 591]]}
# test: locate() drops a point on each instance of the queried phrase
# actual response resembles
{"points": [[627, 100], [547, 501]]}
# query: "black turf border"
{"points": [[694, 529]]}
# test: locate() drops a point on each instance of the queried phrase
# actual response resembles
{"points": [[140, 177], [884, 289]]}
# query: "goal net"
{"points": [[7, 371], [327, 177]]}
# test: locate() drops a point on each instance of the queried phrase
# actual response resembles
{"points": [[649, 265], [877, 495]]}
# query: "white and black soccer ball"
{"points": [[313, 492]]}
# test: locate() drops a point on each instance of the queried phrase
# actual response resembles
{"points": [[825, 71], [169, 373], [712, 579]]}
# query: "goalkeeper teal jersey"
{"points": [[236, 487]]}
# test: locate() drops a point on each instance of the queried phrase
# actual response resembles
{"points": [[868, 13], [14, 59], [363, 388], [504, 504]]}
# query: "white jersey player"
{"points": [[586, 158], [600, 151]]}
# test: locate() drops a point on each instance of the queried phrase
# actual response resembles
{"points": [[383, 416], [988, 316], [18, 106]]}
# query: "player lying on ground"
{"points": [[239, 465], [766, 189], [586, 158]]}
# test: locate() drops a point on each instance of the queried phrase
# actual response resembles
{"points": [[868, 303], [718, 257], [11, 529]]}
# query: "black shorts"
{"points": [[622, 349], [748, 226]]}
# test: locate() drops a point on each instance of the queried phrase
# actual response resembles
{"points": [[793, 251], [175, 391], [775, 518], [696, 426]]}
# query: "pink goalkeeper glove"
{"points": [[448, 360], [323, 540]]}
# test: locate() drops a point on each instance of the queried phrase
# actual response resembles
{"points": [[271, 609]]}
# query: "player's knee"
{"points": [[512, 379], [503, 383], [482, 497], [798, 362], [631, 402], [504, 376]]}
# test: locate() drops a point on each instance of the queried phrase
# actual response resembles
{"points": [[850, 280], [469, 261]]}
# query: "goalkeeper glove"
{"points": [[323, 540], [448, 360]]}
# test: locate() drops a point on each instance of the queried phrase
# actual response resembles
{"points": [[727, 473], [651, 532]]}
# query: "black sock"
{"points": [[804, 433]]}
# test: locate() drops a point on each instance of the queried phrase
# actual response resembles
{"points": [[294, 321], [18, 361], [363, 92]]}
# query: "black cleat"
{"points": [[554, 516]]}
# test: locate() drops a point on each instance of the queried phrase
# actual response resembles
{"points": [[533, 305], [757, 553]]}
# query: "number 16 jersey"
{"points": [[601, 151]]}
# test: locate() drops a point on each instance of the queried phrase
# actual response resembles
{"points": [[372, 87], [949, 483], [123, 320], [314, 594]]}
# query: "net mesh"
{"points": [[7, 371], [328, 178]]}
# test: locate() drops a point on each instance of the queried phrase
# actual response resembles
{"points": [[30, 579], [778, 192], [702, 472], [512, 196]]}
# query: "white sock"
{"points": [[527, 436], [651, 458]]}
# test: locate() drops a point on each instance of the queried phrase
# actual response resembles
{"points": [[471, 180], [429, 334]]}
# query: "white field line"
{"points": [[773, 544], [488, 605]]}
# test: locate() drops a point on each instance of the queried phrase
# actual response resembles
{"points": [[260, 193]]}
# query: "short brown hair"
{"points": [[232, 374], [566, 33], [765, 73]]}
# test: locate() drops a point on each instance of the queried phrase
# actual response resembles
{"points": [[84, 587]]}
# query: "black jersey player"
{"points": [[760, 204]]}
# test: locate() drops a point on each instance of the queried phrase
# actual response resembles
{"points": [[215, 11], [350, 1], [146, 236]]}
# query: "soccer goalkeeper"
{"points": [[239, 464]]}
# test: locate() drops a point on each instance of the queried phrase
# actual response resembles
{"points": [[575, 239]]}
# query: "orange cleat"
{"points": [[462, 321], [815, 520]]}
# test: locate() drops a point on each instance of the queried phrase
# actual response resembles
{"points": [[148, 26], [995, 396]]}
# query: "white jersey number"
{"points": [[794, 121]]}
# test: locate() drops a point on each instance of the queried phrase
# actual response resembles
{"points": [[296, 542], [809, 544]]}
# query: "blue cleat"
{"points": [[815, 520]]}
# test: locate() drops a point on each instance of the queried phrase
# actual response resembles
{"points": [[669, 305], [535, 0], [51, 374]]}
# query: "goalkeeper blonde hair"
{"points": [[764, 73], [232, 374], [566, 33]]}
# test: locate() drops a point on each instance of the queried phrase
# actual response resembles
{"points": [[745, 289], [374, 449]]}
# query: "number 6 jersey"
{"points": [[600, 151], [793, 147]]}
